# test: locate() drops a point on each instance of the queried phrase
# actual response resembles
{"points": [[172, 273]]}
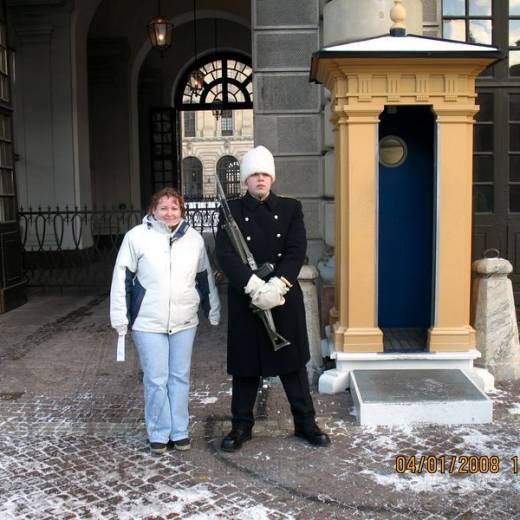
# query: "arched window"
{"points": [[191, 177], [228, 170], [228, 82]]}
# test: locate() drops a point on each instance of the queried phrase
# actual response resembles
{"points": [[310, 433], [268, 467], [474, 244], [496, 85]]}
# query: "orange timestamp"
{"points": [[459, 464]]}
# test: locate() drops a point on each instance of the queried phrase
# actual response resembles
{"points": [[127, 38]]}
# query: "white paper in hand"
{"points": [[120, 348]]}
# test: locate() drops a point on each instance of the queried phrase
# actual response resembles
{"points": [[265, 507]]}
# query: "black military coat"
{"points": [[275, 233]]}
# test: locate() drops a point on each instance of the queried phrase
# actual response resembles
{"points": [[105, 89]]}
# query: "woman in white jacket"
{"points": [[162, 275]]}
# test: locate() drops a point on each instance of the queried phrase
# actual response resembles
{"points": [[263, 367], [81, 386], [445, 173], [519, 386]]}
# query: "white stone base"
{"points": [[482, 378], [459, 412], [410, 411], [337, 380]]}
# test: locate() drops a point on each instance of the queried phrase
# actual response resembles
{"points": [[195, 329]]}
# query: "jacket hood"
{"points": [[152, 223]]}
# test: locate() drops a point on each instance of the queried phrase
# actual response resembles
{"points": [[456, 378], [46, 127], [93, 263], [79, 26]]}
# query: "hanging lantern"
{"points": [[160, 32], [196, 81], [216, 109]]}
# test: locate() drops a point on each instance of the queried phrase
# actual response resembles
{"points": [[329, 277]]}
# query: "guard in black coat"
{"points": [[274, 231]]}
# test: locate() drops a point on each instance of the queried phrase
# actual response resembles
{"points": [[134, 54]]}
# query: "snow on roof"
{"points": [[408, 43]]}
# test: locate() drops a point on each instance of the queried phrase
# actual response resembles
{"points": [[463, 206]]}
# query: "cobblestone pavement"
{"points": [[73, 445]]}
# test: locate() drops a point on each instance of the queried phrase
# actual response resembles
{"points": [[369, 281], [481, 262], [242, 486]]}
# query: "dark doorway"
{"points": [[405, 235]]}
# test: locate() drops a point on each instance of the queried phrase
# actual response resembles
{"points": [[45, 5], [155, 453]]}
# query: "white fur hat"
{"points": [[257, 160]]}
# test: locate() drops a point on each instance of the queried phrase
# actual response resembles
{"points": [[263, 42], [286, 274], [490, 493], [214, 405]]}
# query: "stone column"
{"points": [[307, 279], [356, 328], [451, 331], [47, 171], [495, 319], [287, 111]]}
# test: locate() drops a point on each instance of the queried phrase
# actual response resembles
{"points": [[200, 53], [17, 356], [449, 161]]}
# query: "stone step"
{"points": [[401, 396]]}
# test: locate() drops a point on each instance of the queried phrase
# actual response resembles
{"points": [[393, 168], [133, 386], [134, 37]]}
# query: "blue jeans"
{"points": [[166, 362]]}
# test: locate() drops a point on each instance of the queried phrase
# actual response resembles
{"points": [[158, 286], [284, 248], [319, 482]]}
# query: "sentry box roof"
{"points": [[404, 46]]}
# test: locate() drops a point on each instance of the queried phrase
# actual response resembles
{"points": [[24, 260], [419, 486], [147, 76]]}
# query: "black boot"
{"points": [[235, 438], [312, 434]]}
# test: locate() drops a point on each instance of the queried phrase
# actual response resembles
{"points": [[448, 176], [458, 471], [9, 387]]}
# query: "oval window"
{"points": [[392, 151]]}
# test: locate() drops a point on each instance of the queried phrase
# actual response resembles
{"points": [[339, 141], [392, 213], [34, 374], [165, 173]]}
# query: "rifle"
{"points": [[243, 251]]}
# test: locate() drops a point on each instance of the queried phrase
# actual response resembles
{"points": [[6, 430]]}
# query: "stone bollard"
{"points": [[307, 279], [495, 318]]}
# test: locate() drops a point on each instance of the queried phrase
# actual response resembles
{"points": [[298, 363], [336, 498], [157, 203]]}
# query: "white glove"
{"points": [[214, 322], [268, 297], [121, 330], [254, 285], [277, 283]]}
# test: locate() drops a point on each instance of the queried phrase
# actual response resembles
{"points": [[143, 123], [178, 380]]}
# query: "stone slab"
{"points": [[273, 13], [288, 51], [435, 396]]}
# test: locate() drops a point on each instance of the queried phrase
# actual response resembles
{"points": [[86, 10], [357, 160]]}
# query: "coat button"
{"points": [[278, 235], [279, 255], [246, 219], [248, 238], [276, 217]]}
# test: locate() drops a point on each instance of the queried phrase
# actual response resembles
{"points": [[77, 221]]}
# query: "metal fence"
{"points": [[77, 247]]}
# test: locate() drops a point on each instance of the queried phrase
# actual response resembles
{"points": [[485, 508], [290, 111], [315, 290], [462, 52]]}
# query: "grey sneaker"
{"points": [[181, 444], [158, 448]]}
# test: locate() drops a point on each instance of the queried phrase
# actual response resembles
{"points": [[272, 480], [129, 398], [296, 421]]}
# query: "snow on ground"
{"points": [[461, 441], [515, 410]]}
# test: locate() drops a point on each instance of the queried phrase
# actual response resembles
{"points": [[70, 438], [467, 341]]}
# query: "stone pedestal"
{"points": [[495, 318], [307, 279]]}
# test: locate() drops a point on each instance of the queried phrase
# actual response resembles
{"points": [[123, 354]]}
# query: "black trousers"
{"points": [[296, 386]]}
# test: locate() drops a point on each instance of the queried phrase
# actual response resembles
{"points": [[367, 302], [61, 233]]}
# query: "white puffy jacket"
{"points": [[160, 278]]}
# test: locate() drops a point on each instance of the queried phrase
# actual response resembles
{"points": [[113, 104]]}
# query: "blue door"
{"points": [[406, 210]]}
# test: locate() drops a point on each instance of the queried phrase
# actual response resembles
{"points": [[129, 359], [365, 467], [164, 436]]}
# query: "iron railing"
{"points": [[77, 247]]}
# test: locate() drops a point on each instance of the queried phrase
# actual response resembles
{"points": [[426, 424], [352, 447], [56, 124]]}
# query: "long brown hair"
{"points": [[168, 193]]}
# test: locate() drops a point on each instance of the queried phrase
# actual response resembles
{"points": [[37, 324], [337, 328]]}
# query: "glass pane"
{"points": [[485, 102], [7, 209], [483, 136], [514, 63], [3, 61], [514, 7], [480, 7], [514, 168], [514, 197], [5, 128], [483, 168], [482, 198], [5, 155], [514, 137], [480, 31], [514, 107], [453, 8], [6, 183], [4, 88], [454, 30], [514, 33]]}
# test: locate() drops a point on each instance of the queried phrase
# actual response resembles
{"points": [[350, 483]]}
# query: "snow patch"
{"points": [[515, 410]]}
